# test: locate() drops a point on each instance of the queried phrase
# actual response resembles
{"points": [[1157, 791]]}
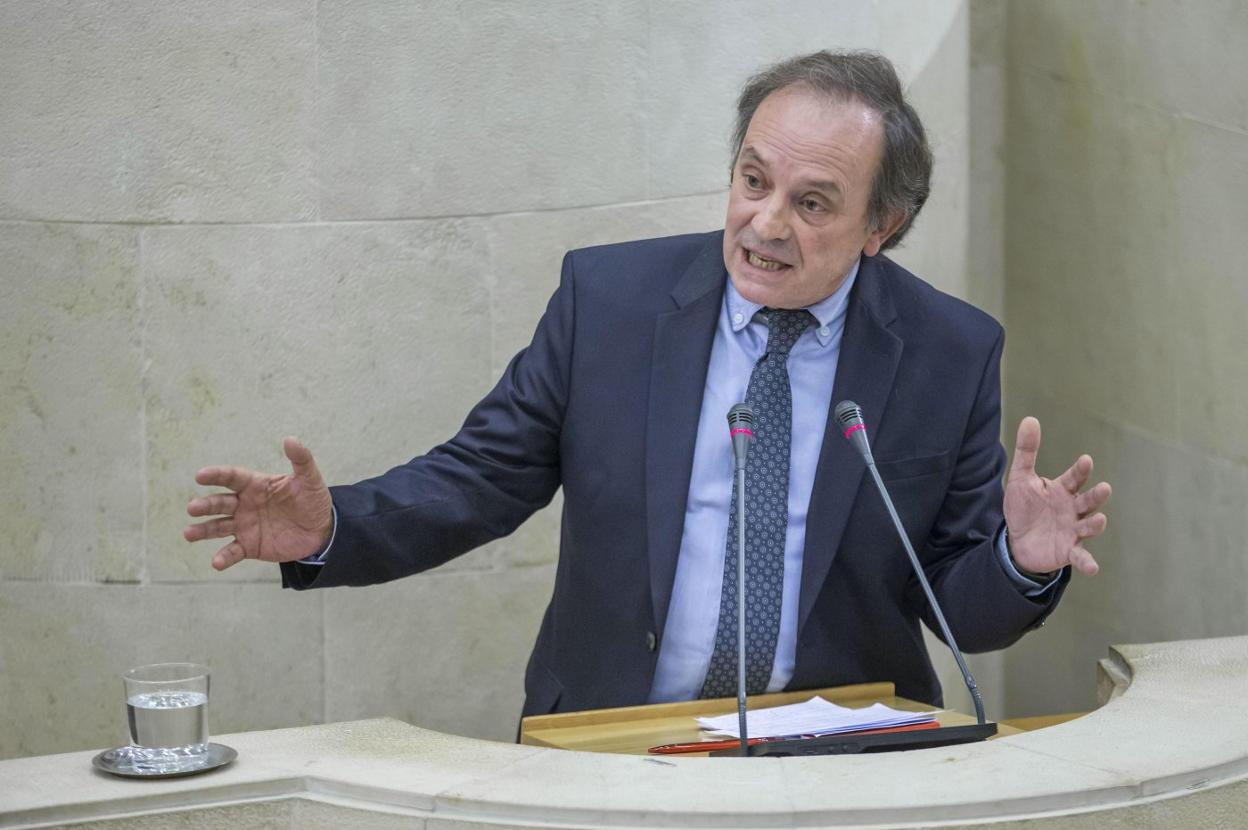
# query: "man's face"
{"points": [[797, 210]]}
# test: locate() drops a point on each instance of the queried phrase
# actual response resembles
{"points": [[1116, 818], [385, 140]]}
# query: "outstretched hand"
{"points": [[1050, 519], [276, 518]]}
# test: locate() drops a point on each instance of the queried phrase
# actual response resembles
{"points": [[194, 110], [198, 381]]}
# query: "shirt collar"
{"points": [[829, 312]]}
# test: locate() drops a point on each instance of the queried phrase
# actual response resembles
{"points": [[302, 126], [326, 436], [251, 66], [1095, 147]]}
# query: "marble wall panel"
{"points": [[986, 149], [442, 650], [1207, 292], [65, 647], [70, 398], [911, 33], [1126, 167], [936, 247], [1094, 255], [1160, 53], [496, 107], [153, 111], [698, 56], [1171, 560], [369, 341]]}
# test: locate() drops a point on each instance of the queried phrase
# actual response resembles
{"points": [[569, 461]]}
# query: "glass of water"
{"points": [[167, 707]]}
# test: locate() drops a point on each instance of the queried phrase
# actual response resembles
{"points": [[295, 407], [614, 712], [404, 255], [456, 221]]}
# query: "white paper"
{"points": [[814, 717]]}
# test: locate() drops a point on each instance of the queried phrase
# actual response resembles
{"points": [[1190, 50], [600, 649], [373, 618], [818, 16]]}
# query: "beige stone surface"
{"points": [[1188, 768], [264, 815], [936, 247], [64, 648], [329, 815], [1124, 249], [1159, 54], [1167, 569], [446, 650], [368, 341], [1127, 162], [986, 150], [155, 111], [70, 392], [692, 82], [504, 108]]}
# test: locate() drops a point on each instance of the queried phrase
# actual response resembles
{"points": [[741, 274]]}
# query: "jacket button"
{"points": [[652, 641]]}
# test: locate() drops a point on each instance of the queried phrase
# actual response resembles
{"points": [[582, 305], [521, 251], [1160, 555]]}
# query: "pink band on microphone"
{"points": [[741, 430], [854, 429]]}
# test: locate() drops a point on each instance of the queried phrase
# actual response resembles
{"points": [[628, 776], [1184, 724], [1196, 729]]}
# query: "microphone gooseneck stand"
{"points": [[849, 415], [741, 432], [745, 741]]}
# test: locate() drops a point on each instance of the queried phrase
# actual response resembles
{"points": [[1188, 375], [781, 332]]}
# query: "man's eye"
{"points": [[812, 205], [751, 181]]}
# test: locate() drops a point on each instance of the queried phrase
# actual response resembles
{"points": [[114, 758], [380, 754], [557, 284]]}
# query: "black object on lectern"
{"points": [[851, 744]]}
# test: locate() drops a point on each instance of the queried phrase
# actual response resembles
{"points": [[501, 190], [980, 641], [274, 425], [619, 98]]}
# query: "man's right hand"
{"points": [[276, 518]]}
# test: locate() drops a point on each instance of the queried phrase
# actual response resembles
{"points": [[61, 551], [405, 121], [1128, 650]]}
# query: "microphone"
{"points": [[741, 430], [849, 417]]}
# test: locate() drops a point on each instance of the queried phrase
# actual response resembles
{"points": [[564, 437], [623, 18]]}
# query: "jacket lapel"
{"points": [[869, 357], [682, 351]]}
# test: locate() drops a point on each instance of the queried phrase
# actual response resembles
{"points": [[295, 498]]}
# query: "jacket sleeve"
{"points": [[481, 485], [985, 609]]}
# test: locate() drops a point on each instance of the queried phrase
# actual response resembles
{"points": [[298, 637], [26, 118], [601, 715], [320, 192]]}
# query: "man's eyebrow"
{"points": [[832, 188]]}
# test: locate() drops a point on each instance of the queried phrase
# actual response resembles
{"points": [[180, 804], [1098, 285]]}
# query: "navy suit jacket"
{"points": [[605, 403]]}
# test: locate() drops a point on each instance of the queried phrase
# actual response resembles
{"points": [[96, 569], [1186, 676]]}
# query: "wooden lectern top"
{"points": [[632, 730]]}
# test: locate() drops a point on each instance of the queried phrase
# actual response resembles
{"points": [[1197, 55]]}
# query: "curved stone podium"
{"points": [[1167, 748]]}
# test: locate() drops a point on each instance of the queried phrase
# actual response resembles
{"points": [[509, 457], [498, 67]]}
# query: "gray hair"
{"points": [[903, 180]]}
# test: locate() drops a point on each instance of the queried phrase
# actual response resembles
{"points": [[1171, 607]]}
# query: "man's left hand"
{"points": [[1048, 520]]}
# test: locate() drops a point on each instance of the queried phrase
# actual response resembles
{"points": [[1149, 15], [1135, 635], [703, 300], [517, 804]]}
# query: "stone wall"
{"points": [[1126, 295], [225, 222]]}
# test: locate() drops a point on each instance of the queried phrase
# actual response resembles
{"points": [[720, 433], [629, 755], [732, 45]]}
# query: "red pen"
{"points": [[729, 743]]}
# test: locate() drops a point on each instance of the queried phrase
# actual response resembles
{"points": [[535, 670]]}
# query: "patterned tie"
{"points": [[766, 519]]}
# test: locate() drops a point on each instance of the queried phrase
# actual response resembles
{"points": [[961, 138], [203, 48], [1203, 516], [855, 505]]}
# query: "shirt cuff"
{"points": [[321, 558], [1031, 588]]}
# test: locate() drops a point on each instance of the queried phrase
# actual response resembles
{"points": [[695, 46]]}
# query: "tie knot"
{"points": [[784, 327]]}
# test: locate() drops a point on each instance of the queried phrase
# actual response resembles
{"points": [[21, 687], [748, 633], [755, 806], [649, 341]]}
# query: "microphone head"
{"points": [[741, 415], [741, 431], [849, 416]]}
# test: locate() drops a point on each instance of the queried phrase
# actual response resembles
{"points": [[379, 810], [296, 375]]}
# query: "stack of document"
{"points": [[814, 717]]}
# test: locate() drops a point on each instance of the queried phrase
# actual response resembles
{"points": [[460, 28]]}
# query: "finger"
{"points": [[1083, 562], [1093, 499], [229, 555], [235, 478], [1076, 474], [1026, 446], [213, 529], [301, 461], [217, 504], [1092, 526]]}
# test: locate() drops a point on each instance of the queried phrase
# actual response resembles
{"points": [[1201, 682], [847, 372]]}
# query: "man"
{"points": [[620, 400]]}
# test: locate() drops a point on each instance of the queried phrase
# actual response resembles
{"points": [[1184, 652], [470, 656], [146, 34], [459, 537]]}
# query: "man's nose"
{"points": [[772, 219]]}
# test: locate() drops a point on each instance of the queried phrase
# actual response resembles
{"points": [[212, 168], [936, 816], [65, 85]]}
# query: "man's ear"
{"points": [[877, 238]]}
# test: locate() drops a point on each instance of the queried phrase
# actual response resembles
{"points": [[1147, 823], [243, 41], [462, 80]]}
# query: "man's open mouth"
{"points": [[763, 262]]}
